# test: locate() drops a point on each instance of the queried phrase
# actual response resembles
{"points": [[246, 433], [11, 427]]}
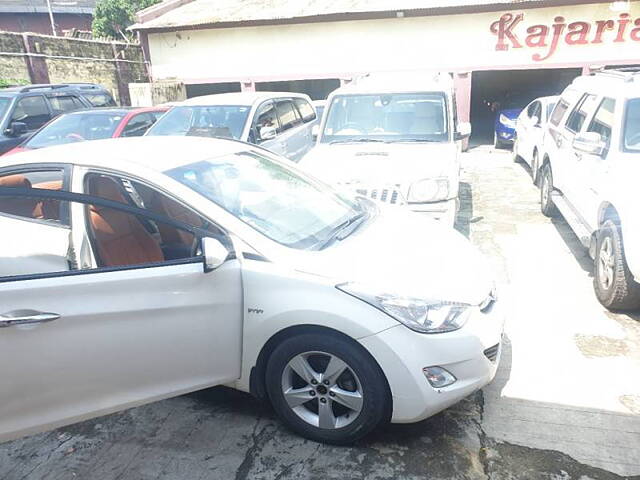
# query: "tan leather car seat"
{"points": [[120, 238], [49, 208], [172, 209], [20, 206]]}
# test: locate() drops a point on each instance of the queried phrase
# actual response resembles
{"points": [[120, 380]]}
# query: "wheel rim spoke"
{"points": [[351, 400], [300, 365], [334, 370], [326, 417], [297, 396]]}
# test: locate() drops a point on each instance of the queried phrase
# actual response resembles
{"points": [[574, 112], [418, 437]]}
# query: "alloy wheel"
{"points": [[606, 263], [322, 390]]}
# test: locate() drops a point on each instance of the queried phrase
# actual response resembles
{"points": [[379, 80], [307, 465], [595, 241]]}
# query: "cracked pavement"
{"points": [[565, 403]]}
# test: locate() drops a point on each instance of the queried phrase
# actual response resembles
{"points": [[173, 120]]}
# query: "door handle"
{"points": [[26, 317]]}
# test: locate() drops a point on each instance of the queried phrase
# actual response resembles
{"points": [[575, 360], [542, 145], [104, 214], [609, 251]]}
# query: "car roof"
{"points": [[238, 98], [397, 82], [52, 87], [155, 153], [610, 83], [118, 110]]}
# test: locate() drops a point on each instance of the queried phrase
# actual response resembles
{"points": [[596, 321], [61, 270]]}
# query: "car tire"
{"points": [[535, 170], [362, 385], [612, 281], [547, 207]]}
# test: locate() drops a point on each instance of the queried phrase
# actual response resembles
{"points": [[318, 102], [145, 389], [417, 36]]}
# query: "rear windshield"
{"points": [[632, 126], [210, 121], [76, 127]]}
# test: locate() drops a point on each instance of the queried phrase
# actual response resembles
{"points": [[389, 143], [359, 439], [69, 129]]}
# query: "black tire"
{"points": [[375, 391], [616, 290], [547, 207], [535, 169]]}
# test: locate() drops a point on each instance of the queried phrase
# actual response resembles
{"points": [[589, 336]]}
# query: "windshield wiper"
{"points": [[416, 140], [357, 140], [342, 231]]}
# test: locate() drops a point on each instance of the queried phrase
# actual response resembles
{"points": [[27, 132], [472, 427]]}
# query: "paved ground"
{"points": [[565, 404]]}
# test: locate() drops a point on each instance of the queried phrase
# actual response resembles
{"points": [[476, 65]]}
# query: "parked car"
{"points": [[24, 110], [96, 124], [140, 269], [280, 122], [531, 128], [395, 139], [589, 173]]}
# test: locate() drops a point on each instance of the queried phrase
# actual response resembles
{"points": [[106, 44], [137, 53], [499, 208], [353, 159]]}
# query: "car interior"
{"points": [[47, 209]]}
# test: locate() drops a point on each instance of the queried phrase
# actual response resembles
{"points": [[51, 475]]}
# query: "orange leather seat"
{"points": [[20, 206], [120, 238], [169, 234], [49, 208]]}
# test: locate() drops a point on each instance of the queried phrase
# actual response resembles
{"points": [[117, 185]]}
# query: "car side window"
{"points": [[603, 120], [531, 109], [137, 125], [287, 114], [32, 111], [123, 239], [559, 112], [580, 113], [65, 103], [307, 112], [100, 99], [34, 208], [266, 119]]}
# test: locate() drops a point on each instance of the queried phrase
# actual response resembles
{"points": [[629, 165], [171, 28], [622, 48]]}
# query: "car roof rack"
{"points": [[57, 86], [627, 74]]}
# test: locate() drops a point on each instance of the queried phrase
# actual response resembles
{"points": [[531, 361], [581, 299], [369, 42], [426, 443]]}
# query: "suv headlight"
{"points": [[424, 316], [429, 190], [506, 121]]}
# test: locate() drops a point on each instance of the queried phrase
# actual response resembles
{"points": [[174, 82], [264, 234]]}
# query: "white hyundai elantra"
{"points": [[138, 269]]}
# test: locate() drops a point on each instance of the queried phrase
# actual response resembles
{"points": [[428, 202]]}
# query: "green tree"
{"points": [[112, 17]]}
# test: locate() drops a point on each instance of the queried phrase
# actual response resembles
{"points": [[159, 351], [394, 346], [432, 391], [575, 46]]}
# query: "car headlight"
{"points": [[420, 315], [429, 190], [506, 121]]}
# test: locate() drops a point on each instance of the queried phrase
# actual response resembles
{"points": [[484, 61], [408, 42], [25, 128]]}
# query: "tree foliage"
{"points": [[112, 17]]}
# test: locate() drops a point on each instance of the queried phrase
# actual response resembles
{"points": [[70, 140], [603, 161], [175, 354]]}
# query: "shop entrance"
{"points": [[492, 91]]}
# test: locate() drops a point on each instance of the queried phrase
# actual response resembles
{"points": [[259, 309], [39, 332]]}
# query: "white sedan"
{"points": [[138, 269]]}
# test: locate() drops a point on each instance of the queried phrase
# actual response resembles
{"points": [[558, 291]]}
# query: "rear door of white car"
{"points": [[80, 338], [295, 133]]}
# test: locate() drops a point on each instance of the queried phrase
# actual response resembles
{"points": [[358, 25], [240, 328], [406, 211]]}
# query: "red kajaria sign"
{"points": [[549, 37]]}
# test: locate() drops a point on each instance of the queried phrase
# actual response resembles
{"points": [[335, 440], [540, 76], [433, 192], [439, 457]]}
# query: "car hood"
{"points": [[511, 113], [399, 251], [381, 163]]}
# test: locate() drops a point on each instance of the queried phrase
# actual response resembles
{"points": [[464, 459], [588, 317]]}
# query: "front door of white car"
{"points": [[82, 340]]}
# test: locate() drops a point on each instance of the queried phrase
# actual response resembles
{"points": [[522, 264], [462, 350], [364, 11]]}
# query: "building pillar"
{"points": [[462, 88]]}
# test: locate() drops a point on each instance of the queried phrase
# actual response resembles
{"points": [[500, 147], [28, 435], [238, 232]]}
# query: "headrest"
{"points": [[106, 188], [15, 181]]}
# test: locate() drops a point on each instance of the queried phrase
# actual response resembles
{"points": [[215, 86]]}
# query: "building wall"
{"points": [[454, 42], [40, 23], [60, 60]]}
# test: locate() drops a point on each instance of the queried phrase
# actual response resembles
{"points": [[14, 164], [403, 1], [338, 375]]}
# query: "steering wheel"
{"points": [[635, 139], [75, 136]]}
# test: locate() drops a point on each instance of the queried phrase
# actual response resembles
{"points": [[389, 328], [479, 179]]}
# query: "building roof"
{"points": [[180, 14], [40, 6]]}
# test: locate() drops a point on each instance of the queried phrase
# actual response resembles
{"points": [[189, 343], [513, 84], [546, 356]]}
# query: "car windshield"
{"points": [[211, 121], [4, 105], [632, 126], [76, 127], [388, 117], [278, 202]]}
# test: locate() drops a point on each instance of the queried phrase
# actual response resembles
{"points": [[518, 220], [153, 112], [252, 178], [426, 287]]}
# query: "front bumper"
{"points": [[506, 136], [445, 211], [403, 353]]}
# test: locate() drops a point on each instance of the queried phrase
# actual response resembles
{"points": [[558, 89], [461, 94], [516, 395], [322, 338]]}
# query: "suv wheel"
{"points": [[326, 388], [547, 206], [613, 282]]}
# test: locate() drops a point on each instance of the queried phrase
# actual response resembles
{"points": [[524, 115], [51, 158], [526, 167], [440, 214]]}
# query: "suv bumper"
{"points": [[445, 211]]}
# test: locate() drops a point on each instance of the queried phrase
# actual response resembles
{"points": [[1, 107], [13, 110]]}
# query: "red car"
{"points": [[94, 124]]}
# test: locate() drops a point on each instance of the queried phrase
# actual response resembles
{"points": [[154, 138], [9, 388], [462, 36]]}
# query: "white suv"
{"points": [[394, 139], [590, 172]]}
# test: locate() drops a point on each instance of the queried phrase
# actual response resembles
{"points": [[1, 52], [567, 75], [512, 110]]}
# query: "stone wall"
{"points": [[46, 59]]}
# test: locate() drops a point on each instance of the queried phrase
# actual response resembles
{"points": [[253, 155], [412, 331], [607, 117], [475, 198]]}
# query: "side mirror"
{"points": [[214, 254], [315, 131], [16, 129], [464, 130], [267, 133], [589, 142]]}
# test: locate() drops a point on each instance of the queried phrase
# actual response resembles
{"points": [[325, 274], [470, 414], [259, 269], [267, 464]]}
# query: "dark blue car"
{"points": [[505, 127]]}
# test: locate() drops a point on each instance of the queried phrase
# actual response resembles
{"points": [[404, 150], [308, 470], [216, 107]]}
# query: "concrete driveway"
{"points": [[565, 403]]}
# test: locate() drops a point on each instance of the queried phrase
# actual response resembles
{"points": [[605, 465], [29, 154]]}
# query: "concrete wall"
{"points": [[47, 59]]}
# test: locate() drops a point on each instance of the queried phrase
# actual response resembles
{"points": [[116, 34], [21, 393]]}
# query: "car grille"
{"points": [[385, 194], [492, 352]]}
